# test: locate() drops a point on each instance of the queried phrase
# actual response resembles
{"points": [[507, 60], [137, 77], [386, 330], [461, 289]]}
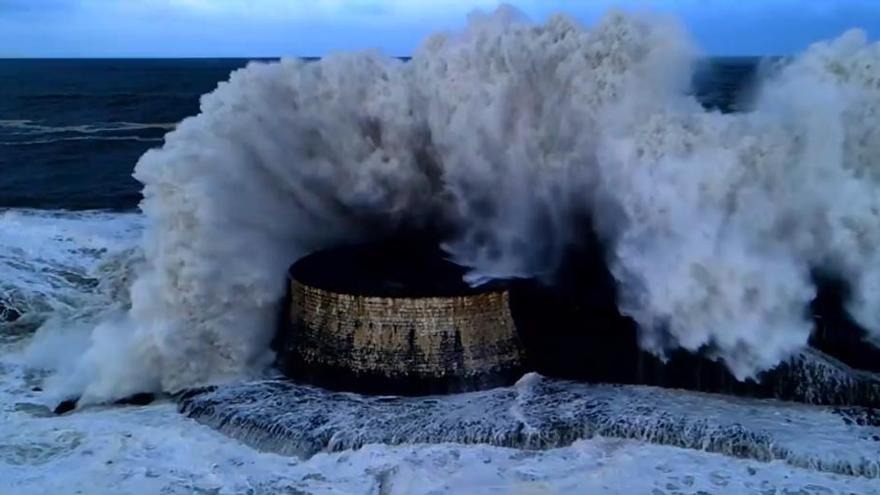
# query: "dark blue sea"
{"points": [[72, 130]]}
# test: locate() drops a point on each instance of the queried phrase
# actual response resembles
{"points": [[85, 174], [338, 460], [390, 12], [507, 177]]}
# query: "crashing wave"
{"points": [[508, 134], [63, 265]]}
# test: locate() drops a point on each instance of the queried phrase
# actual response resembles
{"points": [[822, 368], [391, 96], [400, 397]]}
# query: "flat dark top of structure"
{"points": [[388, 269]]}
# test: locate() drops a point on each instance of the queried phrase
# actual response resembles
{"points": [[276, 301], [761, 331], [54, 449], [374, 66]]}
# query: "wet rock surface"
{"points": [[572, 329], [539, 413], [65, 406]]}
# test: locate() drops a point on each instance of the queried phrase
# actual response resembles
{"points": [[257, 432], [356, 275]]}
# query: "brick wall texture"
{"points": [[428, 337]]}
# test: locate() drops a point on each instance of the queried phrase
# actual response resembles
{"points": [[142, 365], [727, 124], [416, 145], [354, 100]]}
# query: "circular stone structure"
{"points": [[395, 319]]}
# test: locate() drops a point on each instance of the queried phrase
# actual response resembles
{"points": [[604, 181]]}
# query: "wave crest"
{"points": [[507, 134]]}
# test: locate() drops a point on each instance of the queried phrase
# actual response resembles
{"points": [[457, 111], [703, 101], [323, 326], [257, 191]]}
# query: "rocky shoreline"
{"points": [[540, 413]]}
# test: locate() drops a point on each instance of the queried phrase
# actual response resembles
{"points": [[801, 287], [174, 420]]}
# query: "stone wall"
{"points": [[401, 345]]}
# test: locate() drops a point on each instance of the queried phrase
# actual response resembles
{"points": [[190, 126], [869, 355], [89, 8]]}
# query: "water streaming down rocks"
{"points": [[539, 413], [572, 328]]}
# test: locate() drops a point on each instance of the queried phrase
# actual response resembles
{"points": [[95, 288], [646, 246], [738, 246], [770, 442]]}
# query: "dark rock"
{"points": [[571, 328], [836, 333], [66, 406], [815, 378], [9, 314], [141, 399], [859, 416]]}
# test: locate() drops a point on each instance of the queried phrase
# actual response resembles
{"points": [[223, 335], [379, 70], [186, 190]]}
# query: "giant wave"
{"points": [[509, 134]]}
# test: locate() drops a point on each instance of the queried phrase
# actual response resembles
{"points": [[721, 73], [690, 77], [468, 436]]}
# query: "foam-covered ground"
{"points": [[540, 413], [153, 449]]}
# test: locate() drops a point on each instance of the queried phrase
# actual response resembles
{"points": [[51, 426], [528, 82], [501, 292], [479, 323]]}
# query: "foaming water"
{"points": [[538, 413], [734, 210], [30, 133], [52, 263], [508, 135], [60, 274]]}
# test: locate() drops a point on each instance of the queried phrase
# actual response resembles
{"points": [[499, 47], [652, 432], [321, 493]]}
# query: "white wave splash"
{"points": [[40, 142], [511, 132], [31, 133], [51, 263], [727, 214], [30, 127]]}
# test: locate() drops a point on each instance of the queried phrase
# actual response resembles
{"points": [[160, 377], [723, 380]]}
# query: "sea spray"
{"points": [[507, 134], [729, 213], [59, 265]]}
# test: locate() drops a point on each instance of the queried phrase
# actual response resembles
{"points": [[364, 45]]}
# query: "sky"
{"points": [[254, 28]]}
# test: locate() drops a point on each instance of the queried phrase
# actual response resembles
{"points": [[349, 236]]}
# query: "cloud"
{"points": [[309, 9]]}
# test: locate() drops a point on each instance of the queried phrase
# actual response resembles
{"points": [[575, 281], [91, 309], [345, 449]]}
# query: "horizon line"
{"points": [[305, 57]]}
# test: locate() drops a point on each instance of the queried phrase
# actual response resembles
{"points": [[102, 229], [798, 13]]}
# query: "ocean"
{"points": [[104, 293], [71, 130]]}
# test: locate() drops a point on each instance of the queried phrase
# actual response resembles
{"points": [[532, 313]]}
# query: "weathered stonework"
{"points": [[401, 345]]}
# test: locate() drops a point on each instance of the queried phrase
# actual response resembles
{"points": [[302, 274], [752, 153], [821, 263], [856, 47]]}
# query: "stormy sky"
{"points": [[249, 28]]}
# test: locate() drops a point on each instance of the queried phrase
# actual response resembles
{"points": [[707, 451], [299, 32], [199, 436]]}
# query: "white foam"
{"points": [[729, 213], [155, 450], [51, 261], [30, 127], [60, 273], [511, 132]]}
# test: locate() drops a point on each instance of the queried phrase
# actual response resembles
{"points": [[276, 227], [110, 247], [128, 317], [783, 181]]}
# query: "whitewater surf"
{"points": [[510, 138]]}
